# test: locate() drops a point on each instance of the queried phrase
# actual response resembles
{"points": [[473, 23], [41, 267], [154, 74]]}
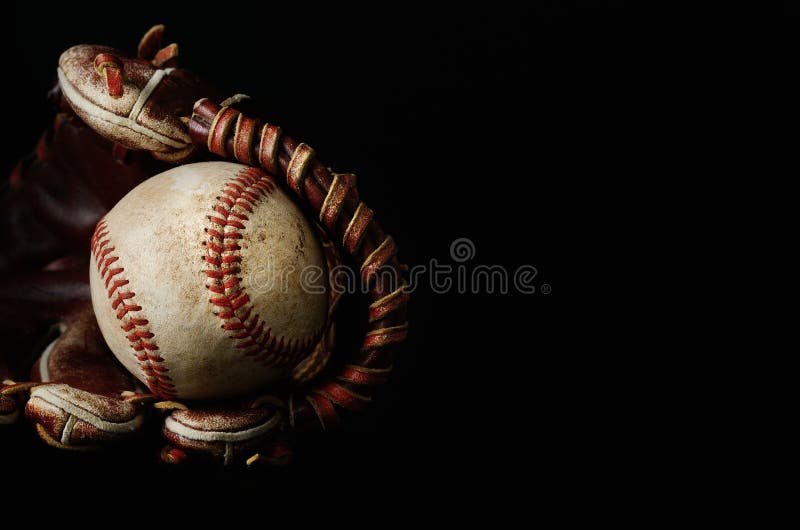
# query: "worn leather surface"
{"points": [[67, 417], [223, 420], [55, 197], [48, 209], [7, 406], [81, 399], [156, 125], [80, 358], [224, 435]]}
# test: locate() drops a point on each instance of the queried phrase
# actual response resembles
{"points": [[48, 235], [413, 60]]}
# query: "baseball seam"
{"points": [[137, 329], [239, 197]]}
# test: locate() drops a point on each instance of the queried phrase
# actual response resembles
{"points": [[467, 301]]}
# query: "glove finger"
{"points": [[224, 436], [82, 406]]}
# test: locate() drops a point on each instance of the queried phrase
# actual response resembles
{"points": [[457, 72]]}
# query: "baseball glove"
{"points": [[121, 120]]}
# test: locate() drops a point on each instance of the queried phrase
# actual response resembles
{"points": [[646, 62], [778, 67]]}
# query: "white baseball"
{"points": [[198, 282]]}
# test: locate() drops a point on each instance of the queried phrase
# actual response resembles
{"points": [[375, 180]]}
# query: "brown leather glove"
{"points": [[137, 104]]}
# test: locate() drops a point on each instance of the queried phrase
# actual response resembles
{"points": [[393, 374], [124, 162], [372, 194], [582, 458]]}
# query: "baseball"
{"points": [[200, 284]]}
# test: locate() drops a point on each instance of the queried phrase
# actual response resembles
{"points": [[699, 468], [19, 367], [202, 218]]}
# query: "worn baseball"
{"points": [[208, 282]]}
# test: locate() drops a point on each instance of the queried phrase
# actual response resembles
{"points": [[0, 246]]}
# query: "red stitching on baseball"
{"points": [[237, 199], [134, 327]]}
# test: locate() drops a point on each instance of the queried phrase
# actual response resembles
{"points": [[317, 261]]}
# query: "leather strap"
{"points": [[334, 198]]}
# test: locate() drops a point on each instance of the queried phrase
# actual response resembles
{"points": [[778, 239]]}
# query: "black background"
{"points": [[482, 123]]}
